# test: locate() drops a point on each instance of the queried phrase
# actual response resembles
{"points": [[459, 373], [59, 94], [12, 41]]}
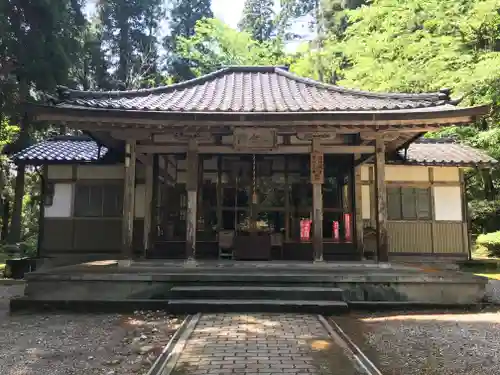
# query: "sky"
{"points": [[228, 11]]}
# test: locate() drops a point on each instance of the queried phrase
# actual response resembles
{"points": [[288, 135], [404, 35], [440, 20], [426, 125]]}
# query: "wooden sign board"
{"points": [[317, 167], [254, 139]]}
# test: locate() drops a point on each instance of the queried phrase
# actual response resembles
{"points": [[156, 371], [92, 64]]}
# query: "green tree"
{"points": [[215, 44], [424, 45], [40, 40], [129, 33], [258, 19], [91, 71], [184, 14]]}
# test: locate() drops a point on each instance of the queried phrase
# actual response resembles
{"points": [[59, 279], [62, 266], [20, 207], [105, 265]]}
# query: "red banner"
{"points": [[305, 229], [336, 231], [347, 228]]}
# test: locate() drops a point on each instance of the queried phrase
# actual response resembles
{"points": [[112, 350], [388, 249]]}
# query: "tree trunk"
{"points": [[124, 51], [488, 187], [5, 219], [15, 224]]}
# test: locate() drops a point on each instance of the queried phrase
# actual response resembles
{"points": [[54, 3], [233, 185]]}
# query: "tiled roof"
{"points": [[422, 152], [62, 149], [444, 152], [251, 89]]}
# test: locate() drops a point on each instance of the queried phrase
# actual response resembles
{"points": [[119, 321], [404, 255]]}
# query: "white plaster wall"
{"points": [[446, 174], [100, 172], [448, 203], [140, 196], [62, 202], [60, 172], [406, 173], [365, 202], [365, 172]]}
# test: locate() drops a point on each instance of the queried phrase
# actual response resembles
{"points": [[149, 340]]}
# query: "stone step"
{"points": [[189, 306], [256, 292]]}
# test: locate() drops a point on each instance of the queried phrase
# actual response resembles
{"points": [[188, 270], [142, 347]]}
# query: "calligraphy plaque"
{"points": [[254, 139], [317, 167]]}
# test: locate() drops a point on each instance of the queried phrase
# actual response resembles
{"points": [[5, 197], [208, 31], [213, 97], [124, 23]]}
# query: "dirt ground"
{"points": [[432, 343], [83, 344]]}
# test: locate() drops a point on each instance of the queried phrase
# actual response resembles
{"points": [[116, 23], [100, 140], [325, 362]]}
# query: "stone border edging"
{"points": [[344, 341], [163, 357], [171, 360], [9, 282], [414, 305]]}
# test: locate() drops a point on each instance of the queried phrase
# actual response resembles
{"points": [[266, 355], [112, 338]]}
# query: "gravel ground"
{"points": [[83, 344], [429, 344]]}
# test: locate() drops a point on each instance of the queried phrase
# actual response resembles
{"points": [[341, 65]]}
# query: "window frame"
{"points": [[101, 187], [416, 196]]}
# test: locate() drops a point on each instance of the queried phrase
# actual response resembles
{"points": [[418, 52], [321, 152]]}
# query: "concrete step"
{"points": [[256, 292], [189, 306]]}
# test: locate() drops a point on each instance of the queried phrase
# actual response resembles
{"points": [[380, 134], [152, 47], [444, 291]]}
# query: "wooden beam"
{"points": [[129, 200], [430, 172], [381, 198], [192, 197], [148, 204], [292, 149], [358, 203], [317, 179], [158, 119]]}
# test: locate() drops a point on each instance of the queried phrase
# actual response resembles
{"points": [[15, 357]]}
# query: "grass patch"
{"points": [[494, 276]]}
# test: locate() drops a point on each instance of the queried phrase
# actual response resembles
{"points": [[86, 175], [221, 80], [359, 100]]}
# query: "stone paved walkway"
{"points": [[261, 344]]}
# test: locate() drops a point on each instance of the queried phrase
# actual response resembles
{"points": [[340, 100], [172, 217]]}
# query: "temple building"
{"points": [[253, 163]]}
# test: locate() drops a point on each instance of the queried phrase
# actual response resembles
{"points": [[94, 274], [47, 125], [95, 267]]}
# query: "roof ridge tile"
{"points": [[430, 99]]}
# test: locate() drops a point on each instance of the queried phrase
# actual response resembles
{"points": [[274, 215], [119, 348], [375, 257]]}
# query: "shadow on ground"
{"points": [[428, 343]]}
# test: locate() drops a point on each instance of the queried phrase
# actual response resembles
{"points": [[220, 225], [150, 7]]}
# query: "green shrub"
{"points": [[485, 215], [489, 243]]}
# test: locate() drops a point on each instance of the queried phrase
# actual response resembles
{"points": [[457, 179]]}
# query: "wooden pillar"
{"points": [[192, 193], [219, 194], [317, 179], [153, 233], [381, 198], [14, 236], [148, 204], [358, 204], [129, 200]]}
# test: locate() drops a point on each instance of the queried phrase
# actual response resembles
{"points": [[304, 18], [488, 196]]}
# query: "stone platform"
{"points": [[247, 286]]}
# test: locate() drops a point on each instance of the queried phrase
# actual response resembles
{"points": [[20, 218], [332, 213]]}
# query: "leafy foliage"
{"points": [[258, 19], [215, 44], [184, 15], [129, 31], [489, 243]]}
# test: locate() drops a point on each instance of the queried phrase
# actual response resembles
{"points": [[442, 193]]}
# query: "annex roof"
{"points": [[444, 151], [62, 149]]}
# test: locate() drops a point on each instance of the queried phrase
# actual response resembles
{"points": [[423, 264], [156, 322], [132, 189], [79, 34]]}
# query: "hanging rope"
{"points": [[254, 181]]}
